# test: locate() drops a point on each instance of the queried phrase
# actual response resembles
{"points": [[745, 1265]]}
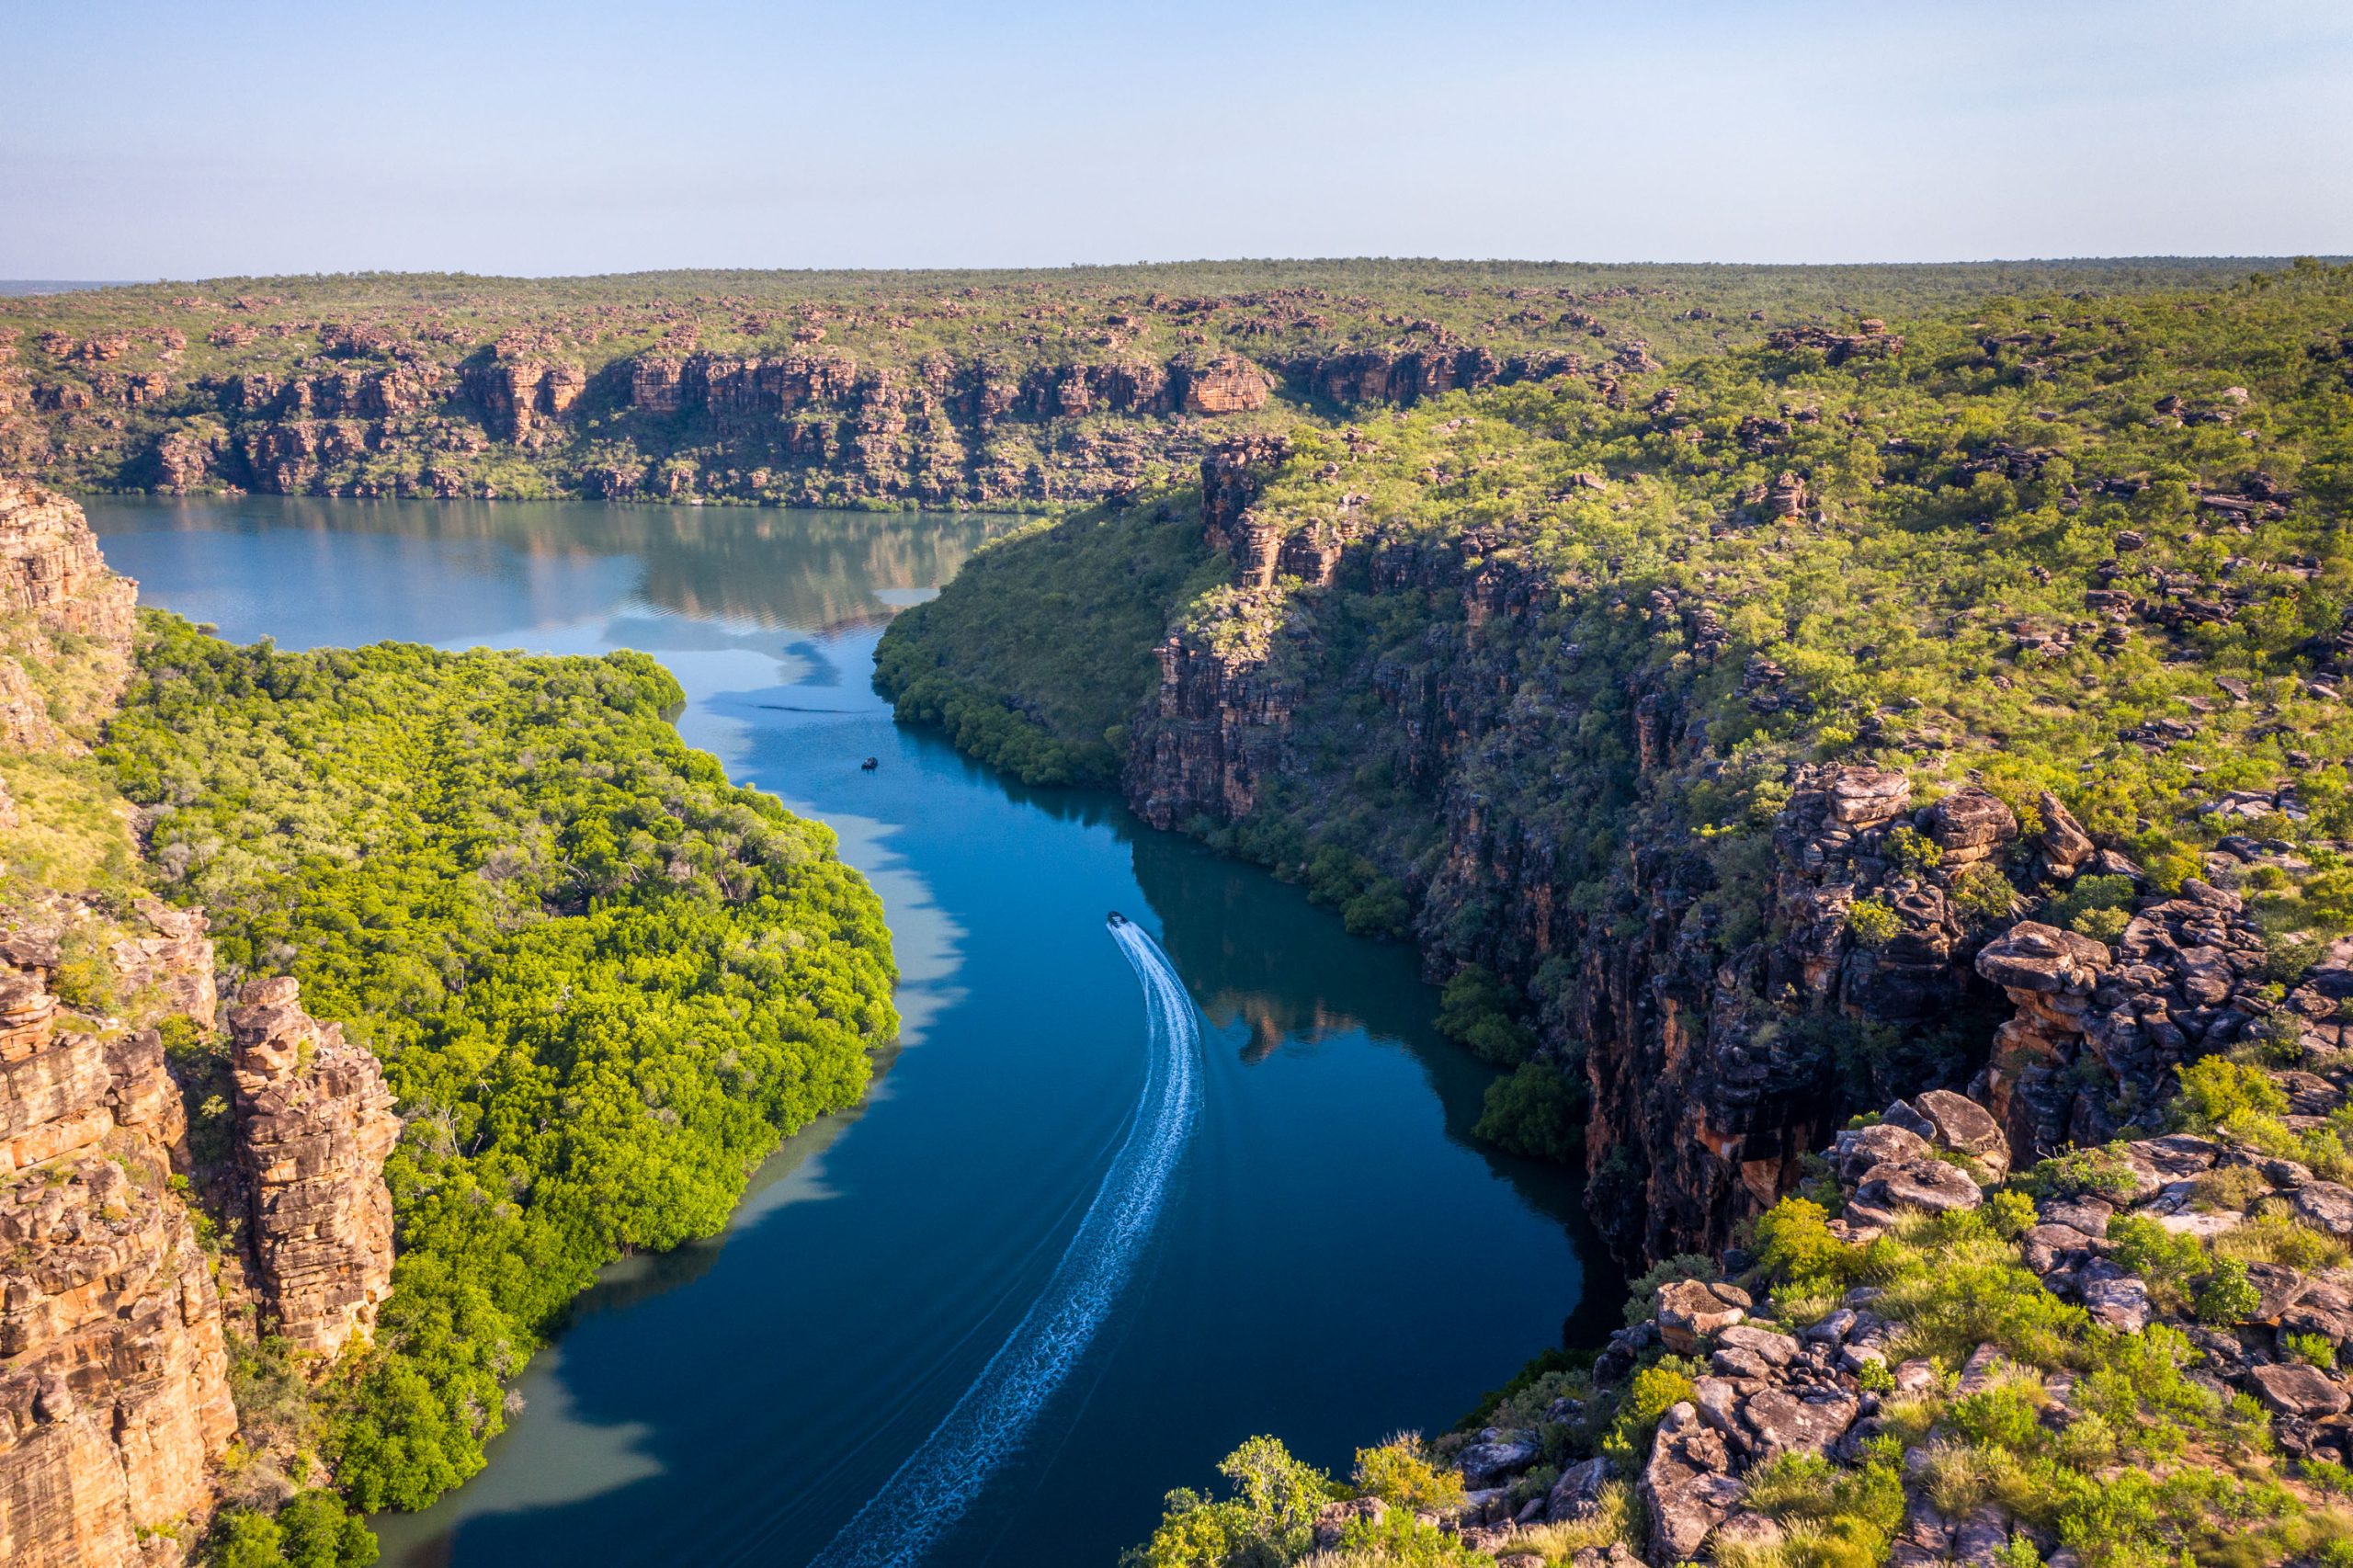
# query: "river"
{"points": [[1334, 1258]]}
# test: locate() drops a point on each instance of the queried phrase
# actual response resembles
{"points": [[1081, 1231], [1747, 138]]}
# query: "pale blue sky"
{"points": [[193, 138]]}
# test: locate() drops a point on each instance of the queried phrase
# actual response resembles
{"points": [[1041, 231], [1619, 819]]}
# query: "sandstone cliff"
{"points": [[114, 1406], [114, 1397], [314, 1124], [53, 584], [1883, 949], [892, 390]]}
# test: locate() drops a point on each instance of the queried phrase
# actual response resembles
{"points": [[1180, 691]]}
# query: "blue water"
{"points": [[1332, 1259]]}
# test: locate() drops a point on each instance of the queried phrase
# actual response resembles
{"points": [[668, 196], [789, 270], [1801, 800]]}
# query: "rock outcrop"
{"points": [[51, 569], [2184, 978], [114, 1396], [314, 1124], [1830, 1383], [53, 582]]}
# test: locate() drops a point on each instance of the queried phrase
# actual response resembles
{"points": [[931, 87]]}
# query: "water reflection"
{"points": [[424, 566]]}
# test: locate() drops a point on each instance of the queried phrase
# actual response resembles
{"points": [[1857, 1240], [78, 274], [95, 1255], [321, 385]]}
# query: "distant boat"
{"points": [[1115, 919], [869, 764]]}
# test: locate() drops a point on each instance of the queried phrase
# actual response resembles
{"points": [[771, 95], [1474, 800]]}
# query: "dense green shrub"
{"points": [[1269, 1519], [1650, 1394], [1873, 924], [1795, 1244], [1479, 1011], [1535, 1110], [313, 1529], [2082, 1173], [2096, 905], [2226, 1296]]}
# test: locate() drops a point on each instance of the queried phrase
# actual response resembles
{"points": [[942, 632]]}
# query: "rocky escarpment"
{"points": [[314, 1124], [898, 390], [1725, 1015], [115, 1412], [54, 584], [114, 1396]]}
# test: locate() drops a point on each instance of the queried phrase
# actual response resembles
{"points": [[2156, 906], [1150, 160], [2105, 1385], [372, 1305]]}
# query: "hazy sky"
{"points": [[192, 139]]}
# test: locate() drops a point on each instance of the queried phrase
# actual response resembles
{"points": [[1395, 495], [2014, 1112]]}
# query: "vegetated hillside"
{"points": [[1002, 388], [602, 980], [1950, 706]]}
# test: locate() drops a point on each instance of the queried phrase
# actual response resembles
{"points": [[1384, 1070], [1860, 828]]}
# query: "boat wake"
{"points": [[930, 1492]]}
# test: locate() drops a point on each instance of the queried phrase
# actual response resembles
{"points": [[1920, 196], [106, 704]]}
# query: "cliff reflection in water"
{"points": [[812, 571], [1256, 954]]}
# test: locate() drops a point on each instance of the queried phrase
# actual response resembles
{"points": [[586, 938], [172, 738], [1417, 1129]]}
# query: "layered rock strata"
{"points": [[53, 582], [114, 1396], [1714, 1068], [314, 1124]]}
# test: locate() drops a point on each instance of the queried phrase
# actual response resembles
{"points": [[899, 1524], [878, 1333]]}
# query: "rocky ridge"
{"points": [[114, 1396], [314, 1125], [116, 1298], [1883, 913], [893, 389]]}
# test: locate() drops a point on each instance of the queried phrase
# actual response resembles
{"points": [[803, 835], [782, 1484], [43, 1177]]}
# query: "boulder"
{"points": [[1966, 1128], [2325, 1205], [2088, 1215], [1577, 1495], [2175, 1157], [1773, 1349], [1901, 1114], [1687, 1487], [1865, 797], [1834, 1328], [1498, 1456], [1968, 823], [2048, 1247], [1926, 1184], [2066, 848], [1730, 1361], [1858, 1149], [2121, 1303], [2278, 1287], [2320, 1307], [2043, 959], [1785, 1422], [1691, 1309], [2294, 1388]]}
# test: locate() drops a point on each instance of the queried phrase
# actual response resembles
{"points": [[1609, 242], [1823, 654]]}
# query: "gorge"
{"points": [[1839, 785], [856, 1276]]}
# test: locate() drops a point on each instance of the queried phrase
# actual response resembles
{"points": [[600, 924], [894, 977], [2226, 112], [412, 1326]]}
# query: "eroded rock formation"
{"points": [[1714, 1069], [314, 1123], [53, 581], [114, 1396]]}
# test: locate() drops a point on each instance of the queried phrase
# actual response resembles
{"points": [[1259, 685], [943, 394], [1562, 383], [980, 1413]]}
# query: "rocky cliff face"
{"points": [[401, 409], [115, 1407], [53, 582], [314, 1124], [114, 1397], [1887, 949]]}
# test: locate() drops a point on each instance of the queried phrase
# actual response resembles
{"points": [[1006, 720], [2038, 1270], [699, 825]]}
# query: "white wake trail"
{"points": [[930, 1492]]}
